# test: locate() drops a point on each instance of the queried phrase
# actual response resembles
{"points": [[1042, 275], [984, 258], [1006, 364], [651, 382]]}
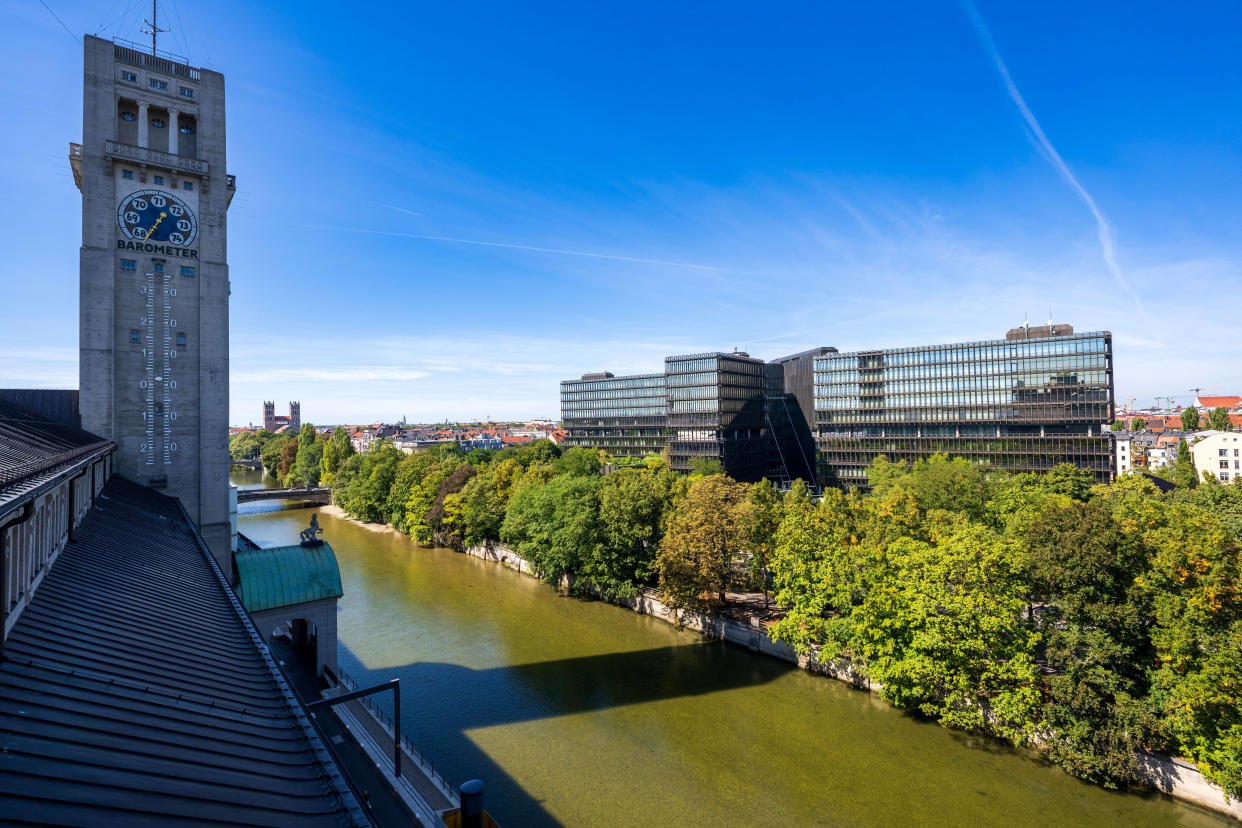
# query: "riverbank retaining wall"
{"points": [[1175, 777]]}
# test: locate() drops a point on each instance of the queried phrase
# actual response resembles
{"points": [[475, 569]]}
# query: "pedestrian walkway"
{"points": [[373, 787]]}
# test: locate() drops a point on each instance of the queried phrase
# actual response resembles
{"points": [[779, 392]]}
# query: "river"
{"points": [[580, 713]]}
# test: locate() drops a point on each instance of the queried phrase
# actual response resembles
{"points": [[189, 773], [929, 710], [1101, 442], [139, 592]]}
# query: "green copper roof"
{"points": [[286, 575]]}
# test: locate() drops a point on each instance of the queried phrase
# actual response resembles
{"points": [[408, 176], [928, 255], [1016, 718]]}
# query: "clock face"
{"points": [[157, 216]]}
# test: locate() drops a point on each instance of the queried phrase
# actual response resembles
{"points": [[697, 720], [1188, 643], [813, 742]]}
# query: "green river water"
{"points": [[580, 713]]}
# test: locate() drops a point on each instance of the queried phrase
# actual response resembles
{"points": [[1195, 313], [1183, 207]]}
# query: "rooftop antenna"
{"points": [[154, 30], [1026, 321], [1049, 318]]}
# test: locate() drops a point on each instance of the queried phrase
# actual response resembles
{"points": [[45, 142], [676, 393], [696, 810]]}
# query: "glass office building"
{"points": [[1039, 397], [716, 410], [710, 406], [625, 416]]}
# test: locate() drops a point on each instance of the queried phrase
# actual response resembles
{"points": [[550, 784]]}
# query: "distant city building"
{"points": [[1218, 453], [1037, 398], [274, 422]]}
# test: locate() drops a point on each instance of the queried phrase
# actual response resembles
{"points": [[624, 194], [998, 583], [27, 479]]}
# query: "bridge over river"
{"points": [[312, 494]]}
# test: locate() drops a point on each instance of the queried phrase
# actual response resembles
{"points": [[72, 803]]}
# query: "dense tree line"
{"points": [[303, 459], [1094, 621]]}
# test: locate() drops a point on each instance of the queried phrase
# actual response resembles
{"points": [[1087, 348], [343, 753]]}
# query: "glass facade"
{"points": [[703, 406], [716, 410], [1035, 399], [625, 416]]}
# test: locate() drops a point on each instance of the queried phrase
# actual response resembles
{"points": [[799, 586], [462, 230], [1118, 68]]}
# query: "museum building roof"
{"points": [[135, 690], [286, 575]]}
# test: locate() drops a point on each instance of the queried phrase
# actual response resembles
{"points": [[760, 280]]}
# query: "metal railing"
{"points": [[166, 62], [146, 155], [382, 718]]}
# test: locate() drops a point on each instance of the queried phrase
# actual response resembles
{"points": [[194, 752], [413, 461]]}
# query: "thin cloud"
{"points": [[1103, 229], [558, 251], [398, 209]]}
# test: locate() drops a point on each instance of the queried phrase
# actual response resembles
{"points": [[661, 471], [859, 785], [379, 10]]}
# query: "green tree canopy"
{"points": [[1218, 419], [1190, 418], [555, 526], [706, 539], [1184, 474], [942, 630], [1138, 424]]}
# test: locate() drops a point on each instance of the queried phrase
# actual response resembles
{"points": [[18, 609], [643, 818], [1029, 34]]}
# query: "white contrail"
{"points": [[1102, 227], [635, 259], [398, 209]]}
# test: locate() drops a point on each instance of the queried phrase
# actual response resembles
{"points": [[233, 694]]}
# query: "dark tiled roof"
{"points": [[34, 449], [134, 690]]}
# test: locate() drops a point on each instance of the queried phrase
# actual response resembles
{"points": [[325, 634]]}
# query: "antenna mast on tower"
{"points": [[154, 30]]}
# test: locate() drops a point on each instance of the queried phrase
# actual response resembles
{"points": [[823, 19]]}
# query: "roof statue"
{"points": [[310, 535]]}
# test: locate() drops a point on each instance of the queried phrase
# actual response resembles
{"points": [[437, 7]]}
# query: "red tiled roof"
{"points": [[1217, 402]]}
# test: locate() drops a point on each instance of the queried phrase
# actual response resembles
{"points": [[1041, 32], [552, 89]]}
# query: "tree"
{"points": [[579, 461], [555, 526], [942, 631], [485, 498], [763, 512], [245, 445], [633, 507], [288, 459], [363, 482], [705, 467], [443, 517], [937, 482], [336, 451], [1195, 586], [307, 467], [1184, 475], [1081, 569], [706, 538], [272, 453], [1190, 418], [1218, 419], [823, 566], [1138, 424], [1117, 425]]}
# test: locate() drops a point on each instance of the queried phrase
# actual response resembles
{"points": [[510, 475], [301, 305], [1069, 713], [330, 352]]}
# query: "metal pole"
{"points": [[396, 727], [391, 684]]}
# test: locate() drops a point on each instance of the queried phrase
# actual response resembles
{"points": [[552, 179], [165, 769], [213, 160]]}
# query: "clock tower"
{"points": [[154, 315]]}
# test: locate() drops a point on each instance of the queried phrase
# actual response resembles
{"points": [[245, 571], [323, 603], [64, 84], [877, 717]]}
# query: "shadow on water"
{"points": [[442, 702]]}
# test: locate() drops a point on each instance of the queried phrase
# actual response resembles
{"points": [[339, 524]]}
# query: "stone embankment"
{"points": [[1175, 777]]}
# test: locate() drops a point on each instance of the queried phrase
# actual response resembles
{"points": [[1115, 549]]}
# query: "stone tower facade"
{"points": [[295, 416], [269, 415], [154, 292]]}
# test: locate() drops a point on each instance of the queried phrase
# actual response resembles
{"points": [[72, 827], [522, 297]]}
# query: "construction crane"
{"points": [[1130, 404], [1197, 390]]}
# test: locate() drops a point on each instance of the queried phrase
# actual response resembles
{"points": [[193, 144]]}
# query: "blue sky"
{"points": [[444, 209]]}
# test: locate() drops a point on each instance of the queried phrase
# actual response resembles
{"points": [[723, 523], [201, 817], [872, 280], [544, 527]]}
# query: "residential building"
{"points": [[1123, 448], [1218, 453], [1036, 398]]}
